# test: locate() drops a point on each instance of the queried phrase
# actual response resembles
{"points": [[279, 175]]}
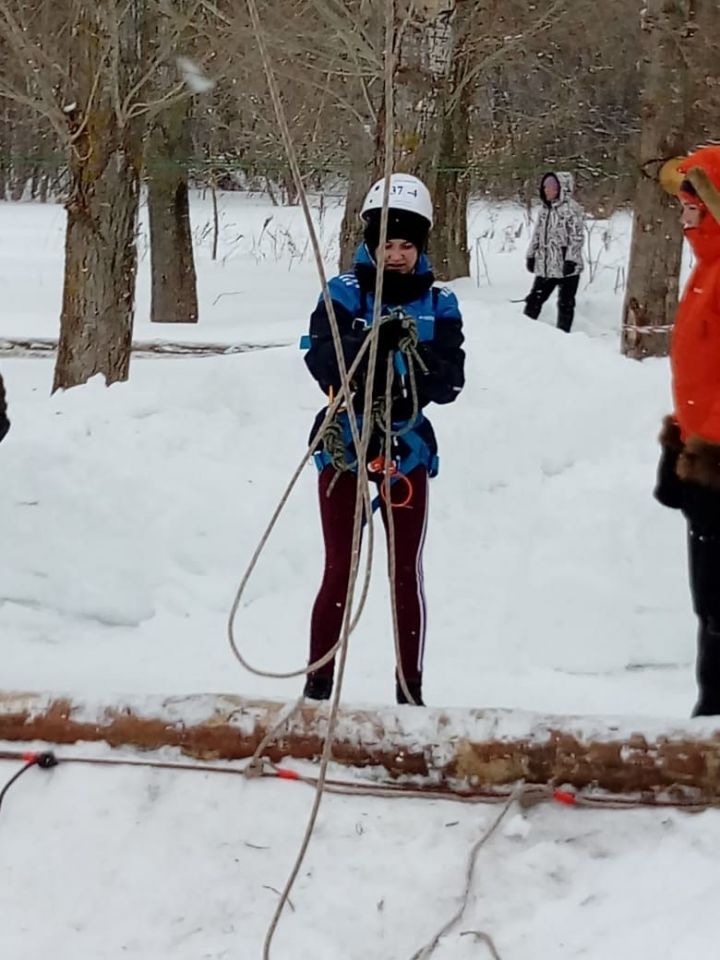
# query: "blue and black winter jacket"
{"points": [[440, 338]]}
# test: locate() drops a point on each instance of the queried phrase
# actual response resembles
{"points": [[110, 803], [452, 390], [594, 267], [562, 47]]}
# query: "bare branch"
{"points": [[38, 106], [547, 20]]}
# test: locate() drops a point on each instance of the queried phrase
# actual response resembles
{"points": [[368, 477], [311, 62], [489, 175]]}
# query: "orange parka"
{"points": [[695, 351]]}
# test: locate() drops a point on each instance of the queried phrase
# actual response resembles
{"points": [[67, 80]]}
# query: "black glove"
{"points": [[530, 264], [395, 331], [392, 331], [699, 468], [569, 267], [4, 426], [669, 488]]}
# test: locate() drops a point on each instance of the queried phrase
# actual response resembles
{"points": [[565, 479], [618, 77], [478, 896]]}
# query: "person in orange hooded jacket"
{"points": [[689, 470]]}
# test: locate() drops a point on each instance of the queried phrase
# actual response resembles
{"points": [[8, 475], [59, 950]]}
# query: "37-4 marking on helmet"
{"points": [[397, 188]]}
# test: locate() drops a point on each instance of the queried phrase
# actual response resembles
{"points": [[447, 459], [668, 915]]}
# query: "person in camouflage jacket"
{"points": [[555, 251]]}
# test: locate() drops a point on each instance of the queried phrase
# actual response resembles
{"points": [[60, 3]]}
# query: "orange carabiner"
{"points": [[378, 465]]}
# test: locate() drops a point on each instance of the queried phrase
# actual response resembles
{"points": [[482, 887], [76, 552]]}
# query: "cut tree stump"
{"points": [[468, 751]]}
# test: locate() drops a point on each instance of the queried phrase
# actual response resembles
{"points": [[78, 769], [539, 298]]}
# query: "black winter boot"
{"points": [[566, 303], [704, 543], [318, 687], [414, 689], [708, 668]]}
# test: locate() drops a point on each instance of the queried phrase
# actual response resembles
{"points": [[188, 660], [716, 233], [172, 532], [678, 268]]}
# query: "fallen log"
{"points": [[466, 751], [47, 346]]}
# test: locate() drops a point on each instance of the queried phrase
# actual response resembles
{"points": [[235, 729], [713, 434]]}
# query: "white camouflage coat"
{"points": [[559, 233]]}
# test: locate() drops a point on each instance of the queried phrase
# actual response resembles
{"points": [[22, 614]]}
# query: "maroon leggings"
{"points": [[337, 512]]}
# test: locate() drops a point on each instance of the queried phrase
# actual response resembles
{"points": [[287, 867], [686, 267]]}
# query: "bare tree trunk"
{"points": [[174, 282], [44, 186], [358, 184], [449, 240], [449, 249], [100, 249], [656, 250], [216, 215], [422, 69], [427, 136], [4, 151], [34, 181], [20, 170], [100, 265], [499, 113], [292, 197]]}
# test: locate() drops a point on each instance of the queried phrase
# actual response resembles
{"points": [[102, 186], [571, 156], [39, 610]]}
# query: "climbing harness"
{"points": [[408, 450]]}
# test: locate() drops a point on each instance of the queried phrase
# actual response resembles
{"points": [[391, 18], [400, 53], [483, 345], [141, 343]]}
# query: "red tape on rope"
{"points": [[282, 774]]}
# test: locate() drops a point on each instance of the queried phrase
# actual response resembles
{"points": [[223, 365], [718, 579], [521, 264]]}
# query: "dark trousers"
{"points": [[541, 290], [704, 557], [337, 513]]}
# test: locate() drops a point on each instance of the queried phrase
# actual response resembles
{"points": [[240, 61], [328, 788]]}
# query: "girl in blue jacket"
{"points": [[421, 333]]}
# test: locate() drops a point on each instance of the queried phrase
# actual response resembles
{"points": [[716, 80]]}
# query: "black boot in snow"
{"points": [[705, 707], [414, 689], [318, 687], [708, 668]]}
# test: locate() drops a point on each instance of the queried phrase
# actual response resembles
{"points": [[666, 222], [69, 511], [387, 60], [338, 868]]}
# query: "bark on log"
{"points": [[448, 750], [41, 347]]}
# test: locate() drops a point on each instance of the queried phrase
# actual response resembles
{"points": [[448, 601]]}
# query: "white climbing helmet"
{"points": [[406, 193]]}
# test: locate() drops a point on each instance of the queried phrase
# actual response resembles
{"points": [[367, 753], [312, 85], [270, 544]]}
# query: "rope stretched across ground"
{"points": [[525, 795]]}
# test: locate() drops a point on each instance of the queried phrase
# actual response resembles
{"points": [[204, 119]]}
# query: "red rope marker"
{"points": [[282, 774], [565, 797]]}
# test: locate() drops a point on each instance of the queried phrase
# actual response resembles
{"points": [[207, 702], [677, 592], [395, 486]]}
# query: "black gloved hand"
{"points": [[669, 488], [391, 332], [394, 331], [699, 467], [530, 264], [569, 268], [4, 425]]}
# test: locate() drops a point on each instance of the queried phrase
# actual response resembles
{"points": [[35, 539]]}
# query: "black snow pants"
{"points": [[541, 290], [704, 558], [701, 507]]}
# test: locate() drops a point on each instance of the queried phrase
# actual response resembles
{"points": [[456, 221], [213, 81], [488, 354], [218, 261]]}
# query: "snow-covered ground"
{"points": [[130, 512], [554, 582], [116, 863]]}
